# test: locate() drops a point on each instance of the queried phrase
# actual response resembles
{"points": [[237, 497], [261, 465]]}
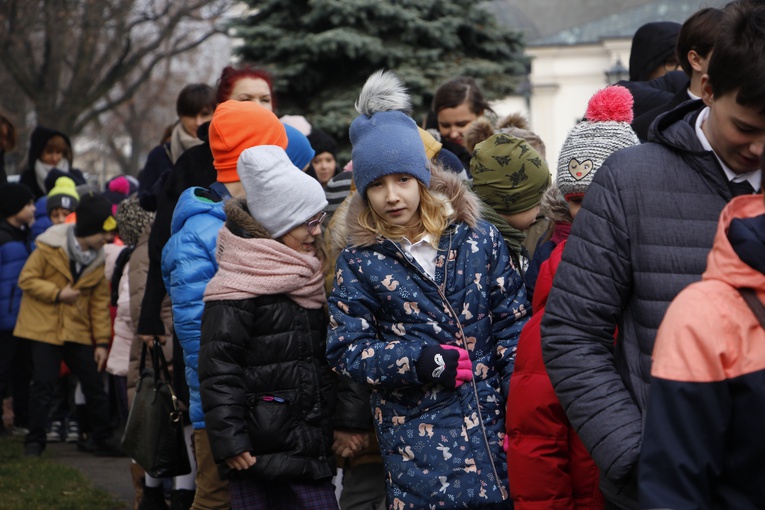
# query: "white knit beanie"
{"points": [[279, 195]]}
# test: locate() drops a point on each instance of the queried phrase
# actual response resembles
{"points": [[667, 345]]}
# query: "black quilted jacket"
{"points": [[646, 226], [266, 387]]}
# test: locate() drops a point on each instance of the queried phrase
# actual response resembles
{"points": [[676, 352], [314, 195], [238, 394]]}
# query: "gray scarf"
{"points": [[83, 258]]}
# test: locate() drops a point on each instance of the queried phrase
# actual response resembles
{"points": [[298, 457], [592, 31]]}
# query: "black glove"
{"points": [[446, 365]]}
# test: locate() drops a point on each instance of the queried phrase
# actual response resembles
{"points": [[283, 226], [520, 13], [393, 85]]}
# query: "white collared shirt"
{"points": [[754, 177], [423, 252]]}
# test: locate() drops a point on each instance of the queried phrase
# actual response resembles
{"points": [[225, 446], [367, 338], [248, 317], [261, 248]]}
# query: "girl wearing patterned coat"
{"points": [[427, 310]]}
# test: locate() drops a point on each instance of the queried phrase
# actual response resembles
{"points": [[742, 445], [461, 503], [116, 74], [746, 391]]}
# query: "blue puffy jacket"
{"points": [[42, 220], [15, 248], [188, 263], [441, 447]]}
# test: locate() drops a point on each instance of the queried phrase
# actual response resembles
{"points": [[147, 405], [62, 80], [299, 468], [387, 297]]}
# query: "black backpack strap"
{"points": [[750, 296]]}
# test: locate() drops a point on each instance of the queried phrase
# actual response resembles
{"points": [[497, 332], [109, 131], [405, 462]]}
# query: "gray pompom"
{"points": [[383, 92]]}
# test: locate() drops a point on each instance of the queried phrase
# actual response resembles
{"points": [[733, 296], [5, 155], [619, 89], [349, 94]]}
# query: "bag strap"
{"points": [[142, 362], [160, 363], [750, 296]]}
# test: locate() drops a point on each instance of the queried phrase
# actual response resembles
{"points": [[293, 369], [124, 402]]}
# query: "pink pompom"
{"points": [[610, 104], [120, 185]]}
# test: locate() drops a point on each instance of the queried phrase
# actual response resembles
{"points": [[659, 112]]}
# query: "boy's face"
{"points": [[58, 215], [26, 216], [735, 132], [51, 155], [96, 241]]}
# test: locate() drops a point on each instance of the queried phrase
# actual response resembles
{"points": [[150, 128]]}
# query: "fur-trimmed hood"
{"points": [[465, 205], [241, 223]]}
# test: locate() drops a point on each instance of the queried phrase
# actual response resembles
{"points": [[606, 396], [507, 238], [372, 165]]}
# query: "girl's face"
{"points": [[51, 155], [396, 199], [324, 165], [302, 238], [453, 122], [252, 89]]}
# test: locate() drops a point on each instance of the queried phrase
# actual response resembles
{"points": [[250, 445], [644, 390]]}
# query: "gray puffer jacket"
{"points": [[646, 226]]}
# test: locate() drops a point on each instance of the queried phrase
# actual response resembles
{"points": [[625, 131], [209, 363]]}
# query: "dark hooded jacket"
{"points": [[652, 45], [646, 226], [39, 138]]}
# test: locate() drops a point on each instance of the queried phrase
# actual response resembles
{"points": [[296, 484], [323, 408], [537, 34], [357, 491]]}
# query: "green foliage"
{"points": [[322, 51], [31, 482]]}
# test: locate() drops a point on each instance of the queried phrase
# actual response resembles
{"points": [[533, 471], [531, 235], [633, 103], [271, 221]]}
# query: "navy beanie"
{"points": [[13, 198], [386, 143], [385, 139]]}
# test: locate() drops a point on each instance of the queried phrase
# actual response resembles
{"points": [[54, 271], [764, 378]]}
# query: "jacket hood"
{"points": [[195, 201], [652, 44], [37, 141], [241, 223], [671, 128], [723, 262], [55, 236], [466, 206], [676, 130]]}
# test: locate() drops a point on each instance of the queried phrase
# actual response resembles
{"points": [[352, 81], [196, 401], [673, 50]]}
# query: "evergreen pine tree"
{"points": [[322, 51]]}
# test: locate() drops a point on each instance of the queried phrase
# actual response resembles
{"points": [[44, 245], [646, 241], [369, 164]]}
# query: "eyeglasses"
{"points": [[312, 224]]}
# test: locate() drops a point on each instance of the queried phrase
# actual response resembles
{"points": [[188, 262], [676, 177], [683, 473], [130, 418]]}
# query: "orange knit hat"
{"points": [[239, 125]]}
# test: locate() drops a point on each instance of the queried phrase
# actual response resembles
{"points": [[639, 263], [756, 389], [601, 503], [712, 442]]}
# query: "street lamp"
{"points": [[616, 72]]}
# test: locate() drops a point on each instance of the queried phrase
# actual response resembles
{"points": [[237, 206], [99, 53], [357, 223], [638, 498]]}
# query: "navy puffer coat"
{"points": [[440, 447]]}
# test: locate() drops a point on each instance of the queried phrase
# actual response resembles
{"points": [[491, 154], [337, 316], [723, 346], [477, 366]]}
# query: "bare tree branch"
{"points": [[69, 55]]}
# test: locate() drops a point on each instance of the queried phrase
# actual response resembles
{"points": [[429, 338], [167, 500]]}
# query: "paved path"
{"points": [[107, 473]]}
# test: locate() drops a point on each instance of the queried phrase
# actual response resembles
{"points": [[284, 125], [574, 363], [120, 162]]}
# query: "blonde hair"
{"points": [[436, 214]]}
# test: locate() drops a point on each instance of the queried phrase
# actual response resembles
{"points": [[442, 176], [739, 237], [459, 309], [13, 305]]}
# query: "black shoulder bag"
{"points": [[154, 431]]}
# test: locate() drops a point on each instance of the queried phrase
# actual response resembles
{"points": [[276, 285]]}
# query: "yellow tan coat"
{"points": [[46, 272]]}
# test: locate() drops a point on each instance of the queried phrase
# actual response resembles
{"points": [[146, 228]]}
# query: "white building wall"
{"points": [[563, 78]]}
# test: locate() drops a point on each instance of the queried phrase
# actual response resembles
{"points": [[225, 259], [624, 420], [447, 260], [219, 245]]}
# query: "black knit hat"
{"points": [[94, 215], [322, 142], [13, 198]]}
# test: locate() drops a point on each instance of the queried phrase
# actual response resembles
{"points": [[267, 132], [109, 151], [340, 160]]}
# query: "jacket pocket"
{"points": [[271, 422]]}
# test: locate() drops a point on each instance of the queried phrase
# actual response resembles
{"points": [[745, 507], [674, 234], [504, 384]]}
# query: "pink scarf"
{"points": [[250, 268]]}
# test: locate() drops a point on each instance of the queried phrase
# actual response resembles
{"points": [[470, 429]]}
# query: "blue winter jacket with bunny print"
{"points": [[441, 447]]}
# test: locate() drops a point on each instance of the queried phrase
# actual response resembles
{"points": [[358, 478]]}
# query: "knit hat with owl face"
{"points": [[605, 131], [508, 174]]}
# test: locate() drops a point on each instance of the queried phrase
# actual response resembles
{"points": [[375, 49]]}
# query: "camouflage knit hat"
{"points": [[132, 219], [508, 174]]}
